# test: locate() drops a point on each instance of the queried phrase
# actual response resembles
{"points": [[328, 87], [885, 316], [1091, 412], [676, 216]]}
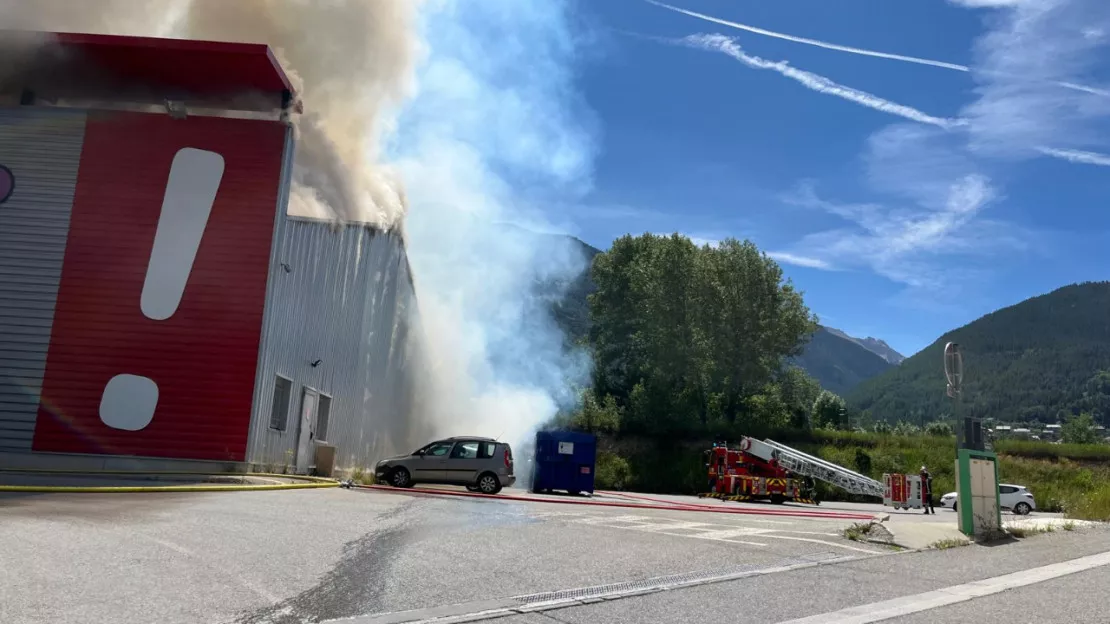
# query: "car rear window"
{"points": [[486, 450]]}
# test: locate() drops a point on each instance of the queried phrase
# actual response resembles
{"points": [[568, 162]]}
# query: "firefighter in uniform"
{"points": [[927, 491]]}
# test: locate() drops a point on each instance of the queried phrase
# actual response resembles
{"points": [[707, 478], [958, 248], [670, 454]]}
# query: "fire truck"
{"points": [[767, 470]]}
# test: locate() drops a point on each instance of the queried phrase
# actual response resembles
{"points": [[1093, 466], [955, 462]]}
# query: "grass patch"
{"points": [[945, 544], [362, 477], [1046, 450], [858, 531], [1029, 531]]}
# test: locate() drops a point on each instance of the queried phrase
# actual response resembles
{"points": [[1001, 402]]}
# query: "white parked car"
{"points": [[1013, 497]]}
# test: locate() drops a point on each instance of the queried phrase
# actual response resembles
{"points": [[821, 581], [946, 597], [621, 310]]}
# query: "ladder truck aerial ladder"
{"points": [[767, 470]]}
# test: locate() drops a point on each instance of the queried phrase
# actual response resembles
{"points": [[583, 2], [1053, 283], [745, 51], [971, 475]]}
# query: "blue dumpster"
{"points": [[564, 461]]}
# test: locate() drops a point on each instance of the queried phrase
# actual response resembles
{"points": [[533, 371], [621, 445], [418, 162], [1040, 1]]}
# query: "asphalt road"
{"points": [[319, 555]]}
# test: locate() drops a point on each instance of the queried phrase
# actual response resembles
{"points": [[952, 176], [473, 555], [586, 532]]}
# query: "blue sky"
{"points": [[905, 199]]}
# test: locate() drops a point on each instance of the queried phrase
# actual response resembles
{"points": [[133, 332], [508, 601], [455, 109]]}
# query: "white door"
{"points": [[307, 430]]}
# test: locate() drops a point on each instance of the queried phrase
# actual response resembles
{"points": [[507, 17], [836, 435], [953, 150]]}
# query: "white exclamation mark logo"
{"points": [[128, 401]]}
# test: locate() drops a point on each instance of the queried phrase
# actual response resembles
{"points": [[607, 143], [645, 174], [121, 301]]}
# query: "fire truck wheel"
{"points": [[777, 499]]}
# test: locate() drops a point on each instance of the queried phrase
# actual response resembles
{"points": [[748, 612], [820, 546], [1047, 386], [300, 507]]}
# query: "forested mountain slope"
{"points": [[1036, 360], [839, 364]]}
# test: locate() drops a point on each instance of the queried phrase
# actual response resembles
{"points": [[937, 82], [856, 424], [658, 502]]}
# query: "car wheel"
{"points": [[954, 506], [1022, 509], [400, 478], [488, 483]]}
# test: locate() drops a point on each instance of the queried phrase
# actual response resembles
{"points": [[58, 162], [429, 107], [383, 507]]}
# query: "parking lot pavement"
{"points": [[817, 595], [306, 556], [318, 555]]}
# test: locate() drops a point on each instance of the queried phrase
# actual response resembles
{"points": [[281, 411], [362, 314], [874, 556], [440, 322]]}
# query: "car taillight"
{"points": [[508, 459]]}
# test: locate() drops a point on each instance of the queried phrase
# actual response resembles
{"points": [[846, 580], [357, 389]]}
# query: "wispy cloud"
{"points": [[987, 4], [816, 82], [1031, 45], [930, 219], [802, 261]]}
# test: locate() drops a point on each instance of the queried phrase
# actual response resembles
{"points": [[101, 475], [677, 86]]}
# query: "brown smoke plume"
{"points": [[351, 61]]}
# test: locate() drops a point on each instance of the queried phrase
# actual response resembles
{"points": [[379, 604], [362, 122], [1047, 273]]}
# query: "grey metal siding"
{"points": [[342, 295], [42, 148]]}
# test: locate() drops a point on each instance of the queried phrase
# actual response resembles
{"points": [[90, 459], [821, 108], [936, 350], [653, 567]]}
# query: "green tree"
{"points": [[829, 411], [799, 392], [883, 427], [1096, 396], [690, 339], [597, 416], [1080, 429]]}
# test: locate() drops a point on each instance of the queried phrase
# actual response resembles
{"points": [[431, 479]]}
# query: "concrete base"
{"points": [[918, 535], [99, 463]]}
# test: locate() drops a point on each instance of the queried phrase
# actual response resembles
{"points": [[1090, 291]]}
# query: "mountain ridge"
{"points": [[877, 346]]}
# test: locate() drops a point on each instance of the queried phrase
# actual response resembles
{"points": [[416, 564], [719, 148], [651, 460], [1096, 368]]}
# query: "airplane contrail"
{"points": [[816, 82], [860, 51], [1077, 156], [813, 42]]}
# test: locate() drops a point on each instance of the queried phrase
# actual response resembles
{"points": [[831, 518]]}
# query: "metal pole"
{"points": [[954, 373]]}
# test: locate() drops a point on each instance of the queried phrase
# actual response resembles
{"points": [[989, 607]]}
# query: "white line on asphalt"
{"points": [[817, 541], [897, 607], [722, 536]]}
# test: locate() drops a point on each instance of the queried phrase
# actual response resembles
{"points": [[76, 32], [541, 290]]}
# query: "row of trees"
{"points": [[693, 342]]}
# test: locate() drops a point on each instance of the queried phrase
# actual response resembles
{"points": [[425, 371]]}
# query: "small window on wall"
{"points": [[323, 415], [279, 411]]}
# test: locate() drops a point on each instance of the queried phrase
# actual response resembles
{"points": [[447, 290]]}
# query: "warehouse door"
{"points": [[307, 429]]}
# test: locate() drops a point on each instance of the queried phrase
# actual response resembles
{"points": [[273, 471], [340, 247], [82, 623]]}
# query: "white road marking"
{"points": [[697, 530], [670, 526], [825, 542], [906, 605]]}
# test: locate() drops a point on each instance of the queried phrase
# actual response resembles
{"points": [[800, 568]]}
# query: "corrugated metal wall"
{"points": [[342, 295], [42, 148]]}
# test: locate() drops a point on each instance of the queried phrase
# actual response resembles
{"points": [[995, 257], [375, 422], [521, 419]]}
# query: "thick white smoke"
{"points": [[493, 132], [470, 104]]}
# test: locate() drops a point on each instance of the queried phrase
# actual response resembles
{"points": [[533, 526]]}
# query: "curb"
{"points": [[308, 483], [677, 507]]}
